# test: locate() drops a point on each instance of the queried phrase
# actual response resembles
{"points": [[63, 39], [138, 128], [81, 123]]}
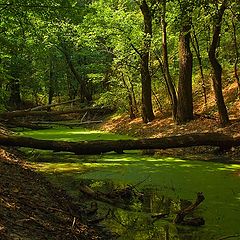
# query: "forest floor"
{"points": [[205, 120], [164, 127]]}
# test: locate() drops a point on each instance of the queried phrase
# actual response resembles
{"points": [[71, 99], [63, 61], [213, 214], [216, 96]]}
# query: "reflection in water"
{"points": [[139, 222]]}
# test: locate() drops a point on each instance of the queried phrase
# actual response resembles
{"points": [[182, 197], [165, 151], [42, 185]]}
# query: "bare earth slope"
{"points": [[31, 208]]}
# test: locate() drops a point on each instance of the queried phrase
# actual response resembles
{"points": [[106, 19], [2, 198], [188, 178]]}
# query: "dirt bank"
{"points": [[164, 126], [31, 208]]}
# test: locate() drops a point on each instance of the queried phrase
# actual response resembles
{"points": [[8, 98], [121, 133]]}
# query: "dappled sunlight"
{"points": [[238, 196], [174, 177], [60, 167], [84, 132], [230, 167], [75, 134], [72, 167]]}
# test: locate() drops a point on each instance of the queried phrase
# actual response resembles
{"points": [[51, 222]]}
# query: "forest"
{"points": [[112, 106], [134, 56]]}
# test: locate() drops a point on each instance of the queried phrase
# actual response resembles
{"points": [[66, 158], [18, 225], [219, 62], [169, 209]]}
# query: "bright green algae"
{"points": [[163, 179]]}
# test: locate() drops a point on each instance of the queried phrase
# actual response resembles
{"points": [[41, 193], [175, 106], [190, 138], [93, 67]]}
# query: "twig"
{"points": [[231, 236], [137, 184], [83, 116], [73, 223]]}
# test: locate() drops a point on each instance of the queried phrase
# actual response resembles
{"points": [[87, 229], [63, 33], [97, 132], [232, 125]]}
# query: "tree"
{"points": [[234, 20], [166, 72], [147, 111], [110, 52], [185, 100], [216, 66]]}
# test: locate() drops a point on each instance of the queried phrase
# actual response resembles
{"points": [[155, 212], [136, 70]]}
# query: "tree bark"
{"points": [[97, 147], [130, 98], [237, 54], [185, 100], [184, 212], [51, 80], [15, 100], [38, 108], [147, 111], [26, 113], [83, 90], [217, 68], [168, 78], [196, 48], [29, 125]]}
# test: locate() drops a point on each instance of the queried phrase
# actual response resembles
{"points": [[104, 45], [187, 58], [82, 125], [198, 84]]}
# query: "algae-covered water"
{"points": [[164, 183]]}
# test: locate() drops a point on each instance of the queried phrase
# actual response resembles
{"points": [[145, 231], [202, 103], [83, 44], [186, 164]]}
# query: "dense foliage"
{"points": [[133, 55]]}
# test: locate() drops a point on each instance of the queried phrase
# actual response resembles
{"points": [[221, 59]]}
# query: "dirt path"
{"points": [[31, 208]]}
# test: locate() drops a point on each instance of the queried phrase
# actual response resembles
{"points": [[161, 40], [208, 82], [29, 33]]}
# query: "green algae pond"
{"points": [[161, 185]]}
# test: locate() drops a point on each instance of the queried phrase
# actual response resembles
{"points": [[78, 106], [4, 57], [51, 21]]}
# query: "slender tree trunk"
{"points": [[217, 68], [196, 48], [15, 100], [169, 82], [72, 91], [147, 111], [160, 108], [130, 99], [185, 100], [237, 54], [133, 96], [51, 81], [84, 93]]}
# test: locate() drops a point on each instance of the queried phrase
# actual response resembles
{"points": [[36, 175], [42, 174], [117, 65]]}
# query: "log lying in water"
{"points": [[29, 125], [188, 210], [222, 141]]}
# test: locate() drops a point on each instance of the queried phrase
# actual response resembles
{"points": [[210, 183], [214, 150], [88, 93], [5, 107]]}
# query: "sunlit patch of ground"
{"points": [[205, 121]]}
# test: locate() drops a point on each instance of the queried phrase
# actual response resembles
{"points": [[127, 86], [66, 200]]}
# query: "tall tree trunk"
{"points": [[15, 100], [169, 82], [185, 100], [130, 98], [237, 54], [133, 96], [196, 48], [147, 111], [72, 91], [51, 81], [217, 68], [84, 93]]}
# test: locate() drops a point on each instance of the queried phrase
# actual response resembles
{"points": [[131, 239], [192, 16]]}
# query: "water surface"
{"points": [[165, 182]]}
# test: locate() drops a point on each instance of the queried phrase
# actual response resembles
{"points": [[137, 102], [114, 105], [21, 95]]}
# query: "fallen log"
{"points": [[28, 112], [222, 141], [53, 105], [94, 194], [40, 125], [180, 217], [70, 124], [102, 197], [29, 125]]}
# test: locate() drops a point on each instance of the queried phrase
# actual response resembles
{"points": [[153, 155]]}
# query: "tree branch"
{"points": [[6, 5]]}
